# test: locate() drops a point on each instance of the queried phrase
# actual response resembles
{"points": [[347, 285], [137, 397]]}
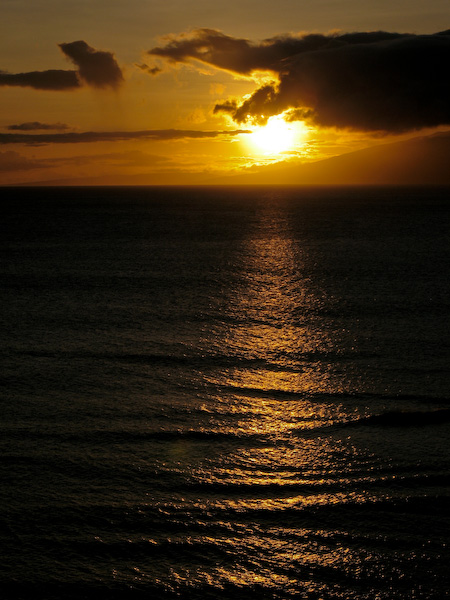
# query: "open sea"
{"points": [[225, 393]]}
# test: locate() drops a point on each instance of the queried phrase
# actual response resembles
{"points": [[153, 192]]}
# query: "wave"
{"points": [[339, 396], [118, 436], [405, 418], [272, 361]]}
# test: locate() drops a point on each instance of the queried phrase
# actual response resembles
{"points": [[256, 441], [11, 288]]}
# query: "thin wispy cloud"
{"points": [[13, 161], [37, 126], [369, 81]]}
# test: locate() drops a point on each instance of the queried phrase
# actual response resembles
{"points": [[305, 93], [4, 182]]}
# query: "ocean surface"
{"points": [[225, 393]]}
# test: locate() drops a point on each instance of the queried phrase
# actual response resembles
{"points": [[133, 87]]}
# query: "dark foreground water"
{"points": [[225, 393]]}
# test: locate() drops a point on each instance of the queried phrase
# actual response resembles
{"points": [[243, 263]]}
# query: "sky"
{"points": [[174, 92]]}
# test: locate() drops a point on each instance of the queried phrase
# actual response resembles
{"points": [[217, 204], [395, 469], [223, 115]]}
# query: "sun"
{"points": [[275, 137]]}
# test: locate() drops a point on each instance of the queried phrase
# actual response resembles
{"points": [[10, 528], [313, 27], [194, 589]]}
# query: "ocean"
{"points": [[225, 393]]}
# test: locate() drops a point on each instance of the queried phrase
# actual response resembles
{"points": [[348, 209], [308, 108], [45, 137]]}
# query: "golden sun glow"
{"points": [[274, 137]]}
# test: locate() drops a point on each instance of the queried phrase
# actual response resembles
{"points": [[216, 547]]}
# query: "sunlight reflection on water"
{"points": [[228, 395]]}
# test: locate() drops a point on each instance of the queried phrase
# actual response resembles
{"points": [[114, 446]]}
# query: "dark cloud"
{"points": [[95, 67], [54, 79], [214, 48], [37, 126], [150, 70], [373, 81], [111, 136], [243, 56]]}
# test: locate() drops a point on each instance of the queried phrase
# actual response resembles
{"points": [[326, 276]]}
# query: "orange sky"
{"points": [[124, 92]]}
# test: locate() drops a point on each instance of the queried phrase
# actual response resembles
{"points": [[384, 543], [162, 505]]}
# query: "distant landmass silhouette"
{"points": [[418, 161]]}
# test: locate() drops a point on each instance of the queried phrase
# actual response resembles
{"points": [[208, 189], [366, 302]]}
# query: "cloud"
{"points": [[112, 136], [13, 161], [211, 47], [369, 81], [97, 68], [37, 126], [242, 56], [54, 79], [150, 70]]}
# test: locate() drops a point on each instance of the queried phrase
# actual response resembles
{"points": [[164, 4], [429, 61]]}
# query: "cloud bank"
{"points": [[111, 136], [369, 81], [54, 79], [96, 68]]}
